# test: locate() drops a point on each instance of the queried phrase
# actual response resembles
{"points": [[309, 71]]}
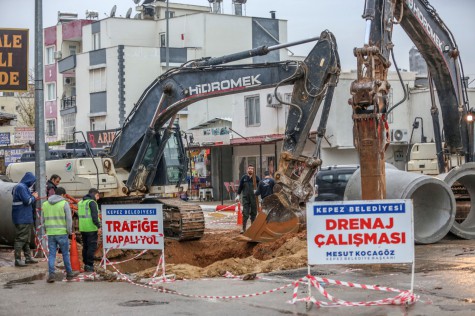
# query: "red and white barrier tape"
{"points": [[403, 298], [126, 260], [220, 297]]}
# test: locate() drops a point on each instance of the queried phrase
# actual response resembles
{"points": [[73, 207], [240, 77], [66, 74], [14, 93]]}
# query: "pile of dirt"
{"points": [[217, 252]]}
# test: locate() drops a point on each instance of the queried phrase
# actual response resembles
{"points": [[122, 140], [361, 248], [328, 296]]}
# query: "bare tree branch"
{"points": [[26, 104]]}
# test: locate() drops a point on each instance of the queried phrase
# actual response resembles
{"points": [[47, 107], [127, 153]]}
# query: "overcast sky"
{"points": [[306, 18]]}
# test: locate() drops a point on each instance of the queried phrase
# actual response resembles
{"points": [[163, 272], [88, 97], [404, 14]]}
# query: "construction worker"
{"points": [[23, 218], [89, 226], [246, 190], [266, 186], [58, 224], [52, 184]]}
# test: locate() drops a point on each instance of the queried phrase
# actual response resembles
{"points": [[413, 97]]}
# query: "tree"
{"points": [[26, 104]]}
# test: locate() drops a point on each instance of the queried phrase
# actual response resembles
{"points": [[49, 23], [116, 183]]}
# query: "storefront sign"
{"points": [[4, 138], [12, 155], [133, 226], [14, 59], [24, 134], [101, 139], [360, 232]]}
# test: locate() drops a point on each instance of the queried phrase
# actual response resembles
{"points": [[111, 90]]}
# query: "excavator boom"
{"points": [[139, 145]]}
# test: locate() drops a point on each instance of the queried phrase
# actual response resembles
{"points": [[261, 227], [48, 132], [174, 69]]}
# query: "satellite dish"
{"points": [[129, 12], [137, 16], [136, 1], [114, 8]]}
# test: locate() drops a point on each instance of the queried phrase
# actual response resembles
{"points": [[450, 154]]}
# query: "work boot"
{"points": [[20, 263], [71, 275], [30, 260], [51, 278], [88, 268], [244, 224], [18, 248]]}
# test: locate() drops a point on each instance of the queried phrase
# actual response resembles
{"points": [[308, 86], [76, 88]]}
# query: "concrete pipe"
{"points": [[433, 201], [7, 229], [462, 182]]}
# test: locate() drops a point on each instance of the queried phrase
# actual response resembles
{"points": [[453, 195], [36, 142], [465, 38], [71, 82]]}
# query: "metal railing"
{"points": [[68, 102]]}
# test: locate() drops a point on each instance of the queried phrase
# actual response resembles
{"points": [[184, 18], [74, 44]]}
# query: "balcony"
{"points": [[66, 65], [68, 105]]}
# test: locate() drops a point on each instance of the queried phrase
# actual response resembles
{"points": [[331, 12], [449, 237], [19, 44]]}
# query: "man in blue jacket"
{"points": [[22, 215]]}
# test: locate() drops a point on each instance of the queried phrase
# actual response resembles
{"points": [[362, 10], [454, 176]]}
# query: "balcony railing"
{"points": [[68, 102]]}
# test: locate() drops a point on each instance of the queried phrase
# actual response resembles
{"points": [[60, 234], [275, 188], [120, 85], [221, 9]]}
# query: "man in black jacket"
{"points": [[246, 191], [52, 185], [89, 226], [266, 186]]}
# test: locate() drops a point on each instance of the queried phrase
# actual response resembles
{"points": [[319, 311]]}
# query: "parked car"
{"points": [[331, 182]]}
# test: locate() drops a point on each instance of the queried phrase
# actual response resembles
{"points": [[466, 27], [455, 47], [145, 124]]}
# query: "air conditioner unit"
{"points": [[58, 55], [69, 81], [272, 100], [399, 136]]}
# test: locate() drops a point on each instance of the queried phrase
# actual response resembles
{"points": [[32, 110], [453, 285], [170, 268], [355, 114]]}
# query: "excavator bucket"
{"points": [[284, 211], [274, 220]]}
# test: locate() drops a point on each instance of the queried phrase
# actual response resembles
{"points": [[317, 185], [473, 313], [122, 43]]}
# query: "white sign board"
{"points": [[132, 226], [359, 232]]}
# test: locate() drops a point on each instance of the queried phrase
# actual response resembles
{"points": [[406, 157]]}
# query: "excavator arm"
{"points": [[140, 143], [371, 89]]}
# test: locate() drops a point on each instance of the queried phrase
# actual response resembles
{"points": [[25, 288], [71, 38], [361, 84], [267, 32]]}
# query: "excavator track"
{"points": [[181, 220]]}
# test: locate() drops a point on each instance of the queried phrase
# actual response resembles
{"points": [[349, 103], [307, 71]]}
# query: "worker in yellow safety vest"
{"points": [[58, 224], [89, 226]]}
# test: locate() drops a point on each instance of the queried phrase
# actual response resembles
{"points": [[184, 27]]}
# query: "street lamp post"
{"points": [[40, 154], [167, 50]]}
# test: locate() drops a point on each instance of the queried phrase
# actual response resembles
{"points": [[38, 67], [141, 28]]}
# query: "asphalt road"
{"points": [[444, 281]]}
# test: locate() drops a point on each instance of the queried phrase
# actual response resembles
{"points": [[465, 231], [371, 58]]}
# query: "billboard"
{"points": [[14, 59]]}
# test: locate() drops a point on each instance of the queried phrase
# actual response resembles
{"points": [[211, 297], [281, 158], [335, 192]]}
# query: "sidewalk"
{"points": [[210, 206]]}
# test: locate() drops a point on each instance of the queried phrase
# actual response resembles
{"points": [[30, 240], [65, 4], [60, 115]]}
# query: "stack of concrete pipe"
{"points": [[7, 229], [465, 177], [434, 203]]}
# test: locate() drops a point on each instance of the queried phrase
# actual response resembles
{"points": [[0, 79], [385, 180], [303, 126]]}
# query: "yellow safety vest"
{"points": [[85, 219], [55, 218]]}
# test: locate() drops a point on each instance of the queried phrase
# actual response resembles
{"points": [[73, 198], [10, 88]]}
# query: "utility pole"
{"points": [[40, 155], [167, 50]]}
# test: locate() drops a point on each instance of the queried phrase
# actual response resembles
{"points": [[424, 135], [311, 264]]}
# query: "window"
{"points": [[163, 40], [344, 177], [171, 14], [253, 111], [49, 58], [69, 123], [97, 80], [50, 92], [3, 108], [72, 50], [50, 127], [390, 117], [243, 162], [96, 41], [97, 124]]}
